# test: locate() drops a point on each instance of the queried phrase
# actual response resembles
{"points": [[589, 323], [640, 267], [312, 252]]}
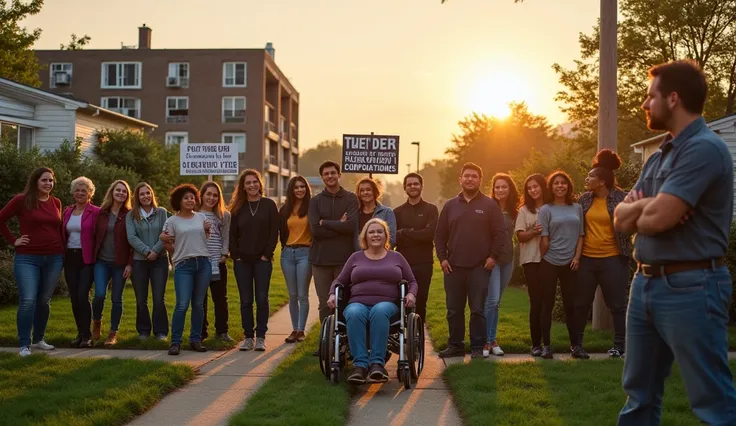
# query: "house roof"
{"points": [[711, 124], [98, 109]]}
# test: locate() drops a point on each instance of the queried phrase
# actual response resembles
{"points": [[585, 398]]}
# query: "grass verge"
{"points": [[61, 328], [42, 390], [513, 323], [297, 393], [553, 393]]}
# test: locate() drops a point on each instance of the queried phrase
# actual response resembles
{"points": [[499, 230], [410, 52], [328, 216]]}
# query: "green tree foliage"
{"points": [[17, 60], [652, 32], [76, 43], [496, 145], [331, 149]]}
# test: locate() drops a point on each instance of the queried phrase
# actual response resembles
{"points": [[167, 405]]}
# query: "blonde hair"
{"points": [[83, 180], [108, 201], [364, 233], [136, 202]]}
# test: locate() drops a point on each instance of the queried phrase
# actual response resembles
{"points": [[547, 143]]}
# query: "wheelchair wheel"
{"points": [[415, 345], [327, 345], [405, 376], [324, 367], [335, 376]]}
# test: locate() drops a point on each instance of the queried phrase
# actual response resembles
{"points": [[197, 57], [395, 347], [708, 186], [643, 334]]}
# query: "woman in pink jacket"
{"points": [[78, 235]]}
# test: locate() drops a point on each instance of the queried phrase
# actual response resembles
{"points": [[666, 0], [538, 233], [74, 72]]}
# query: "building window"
{"points": [[178, 75], [233, 109], [177, 109], [234, 74], [121, 75], [126, 106], [236, 138], [60, 75], [176, 138], [21, 136]]}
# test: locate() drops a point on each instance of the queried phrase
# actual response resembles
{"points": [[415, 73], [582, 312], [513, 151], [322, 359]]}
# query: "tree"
{"points": [[76, 43], [17, 61], [496, 145], [331, 149]]}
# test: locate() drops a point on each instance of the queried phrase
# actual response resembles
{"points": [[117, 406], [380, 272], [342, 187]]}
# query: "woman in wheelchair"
{"points": [[370, 277]]}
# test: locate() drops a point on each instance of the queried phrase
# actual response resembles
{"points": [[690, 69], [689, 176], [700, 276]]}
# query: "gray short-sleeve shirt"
{"points": [[563, 224]]}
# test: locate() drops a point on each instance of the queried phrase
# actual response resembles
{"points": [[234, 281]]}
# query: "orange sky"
{"points": [[407, 67]]}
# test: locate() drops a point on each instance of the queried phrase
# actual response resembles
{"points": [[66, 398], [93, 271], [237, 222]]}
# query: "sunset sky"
{"points": [[407, 67]]}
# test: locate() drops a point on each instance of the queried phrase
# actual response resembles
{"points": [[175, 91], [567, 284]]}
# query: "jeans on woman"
{"points": [[191, 278], [79, 280], [104, 272], [36, 276], [500, 277], [156, 273], [298, 274], [358, 318], [254, 277]]}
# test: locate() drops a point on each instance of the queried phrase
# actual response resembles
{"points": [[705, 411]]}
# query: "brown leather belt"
{"points": [[657, 270]]}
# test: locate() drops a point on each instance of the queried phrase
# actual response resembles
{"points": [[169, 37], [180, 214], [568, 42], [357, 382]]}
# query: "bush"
{"points": [[8, 289]]}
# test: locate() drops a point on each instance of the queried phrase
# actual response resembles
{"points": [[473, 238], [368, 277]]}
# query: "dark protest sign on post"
{"points": [[370, 154]]}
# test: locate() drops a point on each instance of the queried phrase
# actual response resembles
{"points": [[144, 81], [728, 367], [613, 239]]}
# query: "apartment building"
{"points": [[237, 96]]}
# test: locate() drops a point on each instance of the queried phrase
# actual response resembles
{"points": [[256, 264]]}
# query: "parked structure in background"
{"points": [[35, 117], [235, 96]]}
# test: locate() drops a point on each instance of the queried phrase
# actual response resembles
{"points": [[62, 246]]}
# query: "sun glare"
{"points": [[494, 90]]}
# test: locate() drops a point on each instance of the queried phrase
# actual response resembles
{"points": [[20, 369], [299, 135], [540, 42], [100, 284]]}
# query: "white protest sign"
{"points": [[208, 159]]}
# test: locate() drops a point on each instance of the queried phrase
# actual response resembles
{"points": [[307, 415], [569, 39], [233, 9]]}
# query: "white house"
{"points": [[35, 117], [725, 127]]}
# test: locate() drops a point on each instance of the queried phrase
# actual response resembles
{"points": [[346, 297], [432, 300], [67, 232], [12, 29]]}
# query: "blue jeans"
{"points": [[36, 277], [681, 317], [358, 317], [191, 279], [298, 274], [104, 272], [500, 277]]}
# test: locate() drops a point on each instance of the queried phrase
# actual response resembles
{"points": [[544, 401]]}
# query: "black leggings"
{"points": [[549, 275], [534, 286]]}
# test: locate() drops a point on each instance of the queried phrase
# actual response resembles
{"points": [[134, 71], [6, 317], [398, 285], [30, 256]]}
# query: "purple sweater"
{"points": [[374, 281]]}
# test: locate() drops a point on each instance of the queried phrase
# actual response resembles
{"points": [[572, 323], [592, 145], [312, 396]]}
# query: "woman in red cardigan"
{"points": [[78, 233], [114, 258], [38, 255]]}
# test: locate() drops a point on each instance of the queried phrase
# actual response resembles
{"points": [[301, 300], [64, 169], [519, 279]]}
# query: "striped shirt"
{"points": [[219, 240]]}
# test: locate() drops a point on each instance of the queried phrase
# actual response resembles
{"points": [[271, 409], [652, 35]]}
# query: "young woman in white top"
{"points": [[528, 231], [189, 231]]}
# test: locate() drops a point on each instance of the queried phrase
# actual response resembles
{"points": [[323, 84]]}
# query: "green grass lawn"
{"points": [[297, 393], [513, 323], [42, 390], [61, 328], [553, 393]]}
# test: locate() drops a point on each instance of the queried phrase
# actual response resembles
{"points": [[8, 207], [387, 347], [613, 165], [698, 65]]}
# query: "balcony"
{"points": [[285, 164], [269, 129]]}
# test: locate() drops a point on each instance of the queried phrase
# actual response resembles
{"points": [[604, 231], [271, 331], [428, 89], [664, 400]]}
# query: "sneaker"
{"points": [[300, 336], [43, 346], [291, 338], [174, 349], [377, 374], [225, 337], [486, 350], [197, 347], [248, 344], [75, 343], [85, 344], [161, 337], [547, 352], [357, 376], [25, 351], [579, 353], [142, 337], [537, 351], [260, 344], [112, 338], [496, 349], [614, 352], [476, 354], [452, 351]]}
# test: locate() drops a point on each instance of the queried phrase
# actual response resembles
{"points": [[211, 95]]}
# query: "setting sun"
{"points": [[494, 90]]}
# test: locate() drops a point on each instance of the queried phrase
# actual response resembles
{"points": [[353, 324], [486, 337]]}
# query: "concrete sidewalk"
{"points": [[428, 403]]}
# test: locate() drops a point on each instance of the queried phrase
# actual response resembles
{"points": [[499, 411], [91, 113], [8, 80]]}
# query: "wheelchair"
{"points": [[406, 339]]}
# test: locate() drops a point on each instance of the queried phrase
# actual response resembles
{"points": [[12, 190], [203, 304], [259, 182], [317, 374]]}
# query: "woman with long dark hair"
{"points": [[504, 191], [213, 208], [296, 238], [528, 232], [38, 255], [254, 233], [606, 253], [114, 258], [78, 233], [561, 245], [144, 224]]}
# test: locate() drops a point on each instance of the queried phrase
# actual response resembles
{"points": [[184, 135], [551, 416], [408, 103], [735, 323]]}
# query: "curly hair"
{"points": [[604, 165], [179, 192]]}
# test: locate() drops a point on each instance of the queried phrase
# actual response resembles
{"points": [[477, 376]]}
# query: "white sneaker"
{"points": [[486, 350], [25, 351], [260, 344], [248, 344], [43, 346], [496, 349]]}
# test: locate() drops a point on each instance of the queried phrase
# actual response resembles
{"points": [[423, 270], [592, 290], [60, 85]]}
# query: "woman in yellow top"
{"points": [[296, 238], [606, 254]]}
